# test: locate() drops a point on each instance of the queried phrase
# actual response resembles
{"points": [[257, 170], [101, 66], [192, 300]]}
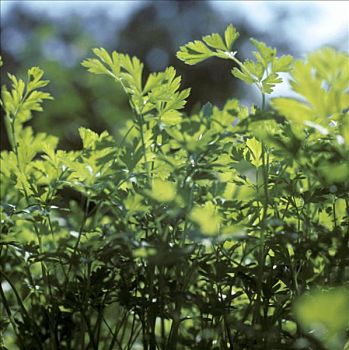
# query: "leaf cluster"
{"points": [[225, 229]]}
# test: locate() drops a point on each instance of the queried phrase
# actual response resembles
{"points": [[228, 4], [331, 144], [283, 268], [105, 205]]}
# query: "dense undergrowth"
{"points": [[227, 229]]}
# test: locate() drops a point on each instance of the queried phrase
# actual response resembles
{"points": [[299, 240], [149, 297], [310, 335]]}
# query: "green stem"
{"points": [[126, 134], [9, 314], [344, 249], [141, 127], [263, 101], [43, 266], [25, 313], [118, 326], [262, 250], [257, 83], [14, 141], [82, 226]]}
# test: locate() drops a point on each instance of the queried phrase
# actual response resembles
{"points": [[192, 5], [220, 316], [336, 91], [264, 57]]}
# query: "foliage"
{"points": [[226, 229], [58, 44]]}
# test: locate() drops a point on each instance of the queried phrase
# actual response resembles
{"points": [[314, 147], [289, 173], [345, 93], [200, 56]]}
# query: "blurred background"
{"points": [[58, 35]]}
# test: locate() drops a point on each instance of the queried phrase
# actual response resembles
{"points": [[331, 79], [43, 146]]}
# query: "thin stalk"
{"points": [[141, 127], [172, 339], [263, 102], [141, 123], [59, 257], [89, 330], [43, 265], [136, 334], [263, 228], [98, 325], [9, 314], [24, 310], [129, 343], [176, 320], [240, 64], [115, 333], [228, 331], [126, 134], [14, 140], [82, 225], [344, 248], [12, 121]]}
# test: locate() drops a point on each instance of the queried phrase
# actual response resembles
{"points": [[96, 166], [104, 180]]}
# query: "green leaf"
{"points": [[132, 73], [215, 41], [255, 148], [95, 66], [292, 109], [232, 191], [178, 100], [324, 313], [321, 98], [105, 61], [282, 64], [23, 100], [194, 52], [263, 71], [308, 86], [230, 36], [134, 203], [34, 79], [154, 80], [243, 75], [332, 66], [125, 69], [269, 83], [264, 54], [88, 137], [335, 173], [171, 117], [103, 56], [207, 218], [163, 191]]}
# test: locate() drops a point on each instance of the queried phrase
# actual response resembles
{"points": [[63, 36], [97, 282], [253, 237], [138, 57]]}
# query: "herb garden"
{"points": [[225, 229]]}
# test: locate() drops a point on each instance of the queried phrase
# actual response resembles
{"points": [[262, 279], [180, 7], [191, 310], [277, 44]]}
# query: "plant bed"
{"points": [[225, 229]]}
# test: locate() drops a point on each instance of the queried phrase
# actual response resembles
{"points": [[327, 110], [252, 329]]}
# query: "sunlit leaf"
{"points": [[323, 313], [207, 218]]}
